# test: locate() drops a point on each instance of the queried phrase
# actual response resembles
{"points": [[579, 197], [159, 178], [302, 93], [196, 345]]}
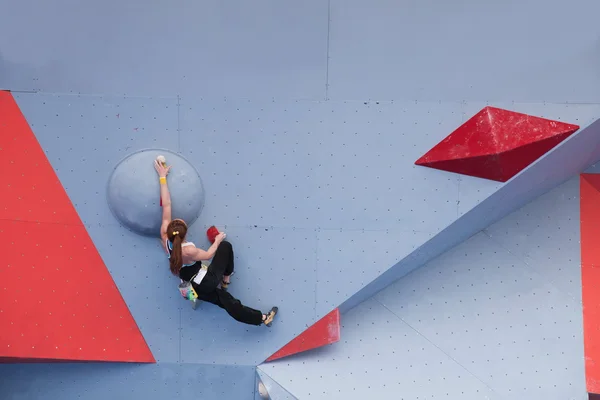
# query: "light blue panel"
{"points": [[330, 165], [256, 159], [545, 234], [380, 357], [273, 267], [89, 381], [498, 317], [594, 169], [260, 391], [123, 381], [366, 169], [346, 259], [569, 158], [432, 50], [84, 137], [276, 392], [342, 168], [141, 271], [260, 49], [472, 191], [218, 382]]}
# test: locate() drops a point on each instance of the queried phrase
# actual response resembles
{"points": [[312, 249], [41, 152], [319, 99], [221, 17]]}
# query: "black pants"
{"points": [[222, 264]]}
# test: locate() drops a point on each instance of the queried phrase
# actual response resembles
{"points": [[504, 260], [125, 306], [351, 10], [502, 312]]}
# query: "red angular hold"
{"points": [[321, 333], [212, 233], [496, 144], [58, 300]]}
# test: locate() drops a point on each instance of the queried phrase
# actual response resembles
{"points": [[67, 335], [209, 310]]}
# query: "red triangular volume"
{"points": [[321, 333], [496, 144], [29, 185], [589, 199], [58, 300]]}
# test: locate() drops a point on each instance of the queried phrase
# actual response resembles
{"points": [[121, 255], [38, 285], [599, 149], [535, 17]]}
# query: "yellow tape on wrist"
{"points": [[163, 180]]}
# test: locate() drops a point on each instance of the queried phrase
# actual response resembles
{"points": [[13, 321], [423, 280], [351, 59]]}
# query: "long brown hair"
{"points": [[176, 231]]}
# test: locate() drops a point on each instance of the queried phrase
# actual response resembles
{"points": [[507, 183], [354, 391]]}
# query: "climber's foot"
{"points": [[268, 318]]}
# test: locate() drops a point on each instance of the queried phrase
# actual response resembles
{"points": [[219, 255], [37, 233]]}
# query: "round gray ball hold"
{"points": [[133, 192]]}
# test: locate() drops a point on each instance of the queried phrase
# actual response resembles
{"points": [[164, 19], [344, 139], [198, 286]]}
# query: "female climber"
{"points": [[185, 262]]}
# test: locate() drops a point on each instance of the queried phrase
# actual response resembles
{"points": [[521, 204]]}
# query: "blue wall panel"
{"points": [[503, 320], [354, 50], [216, 382], [296, 199], [340, 172], [123, 381], [379, 356], [262, 49], [319, 197], [84, 137], [349, 258], [545, 235], [276, 392], [504, 308], [331, 165], [141, 271], [268, 273], [554, 168], [529, 51]]}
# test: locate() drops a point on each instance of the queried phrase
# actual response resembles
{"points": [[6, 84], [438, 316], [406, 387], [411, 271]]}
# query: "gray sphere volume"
{"points": [[133, 192]]}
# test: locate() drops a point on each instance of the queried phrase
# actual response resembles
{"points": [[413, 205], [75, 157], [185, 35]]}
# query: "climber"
{"points": [[185, 261]]}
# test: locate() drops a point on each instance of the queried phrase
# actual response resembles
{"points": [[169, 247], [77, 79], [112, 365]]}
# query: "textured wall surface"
{"points": [[529, 51], [569, 158], [304, 120], [119, 381], [274, 389], [292, 200], [306, 211], [497, 317]]}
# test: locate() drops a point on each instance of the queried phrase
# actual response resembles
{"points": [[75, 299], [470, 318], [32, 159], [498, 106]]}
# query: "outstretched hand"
{"points": [[162, 170]]}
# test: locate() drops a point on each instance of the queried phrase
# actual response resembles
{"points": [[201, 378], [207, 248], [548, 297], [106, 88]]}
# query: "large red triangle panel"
{"points": [[496, 144], [58, 301], [30, 193], [589, 199], [321, 333]]}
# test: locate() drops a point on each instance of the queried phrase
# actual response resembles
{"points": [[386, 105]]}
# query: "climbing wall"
{"points": [[93, 381], [257, 50], [548, 171], [287, 195], [274, 390], [59, 300], [337, 49], [373, 53], [300, 191], [304, 120], [324, 332], [498, 317]]}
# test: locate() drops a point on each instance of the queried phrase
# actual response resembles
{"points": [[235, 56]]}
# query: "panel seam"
{"points": [[436, 346]]}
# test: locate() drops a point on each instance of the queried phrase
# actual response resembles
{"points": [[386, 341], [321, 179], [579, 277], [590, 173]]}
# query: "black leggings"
{"points": [[222, 264]]}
